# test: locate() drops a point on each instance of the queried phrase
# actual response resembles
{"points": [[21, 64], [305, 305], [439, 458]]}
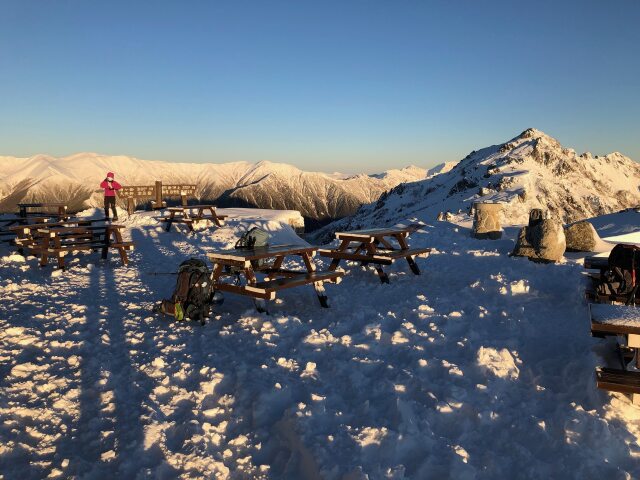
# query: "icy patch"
{"points": [[370, 436], [13, 258], [516, 288], [500, 363]]}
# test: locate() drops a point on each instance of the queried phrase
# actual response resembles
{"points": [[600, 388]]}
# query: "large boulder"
{"points": [[542, 240], [581, 237], [486, 221]]}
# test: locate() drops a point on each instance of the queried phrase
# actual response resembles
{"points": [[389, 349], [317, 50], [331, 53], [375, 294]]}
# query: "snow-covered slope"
{"points": [[480, 368], [529, 171], [317, 196]]}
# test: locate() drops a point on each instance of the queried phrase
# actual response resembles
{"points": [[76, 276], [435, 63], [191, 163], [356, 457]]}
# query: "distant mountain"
{"points": [[532, 170], [319, 197]]}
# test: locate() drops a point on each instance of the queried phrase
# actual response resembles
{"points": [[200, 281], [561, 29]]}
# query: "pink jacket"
{"points": [[110, 190]]}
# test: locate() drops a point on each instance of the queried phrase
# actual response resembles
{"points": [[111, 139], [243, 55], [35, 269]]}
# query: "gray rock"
{"points": [[486, 221], [581, 237], [542, 240]]}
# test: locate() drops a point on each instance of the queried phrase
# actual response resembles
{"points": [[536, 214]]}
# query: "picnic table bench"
{"points": [[7, 233], [375, 246], [25, 232], [249, 262], [183, 214], [620, 320], [62, 240], [57, 210]]}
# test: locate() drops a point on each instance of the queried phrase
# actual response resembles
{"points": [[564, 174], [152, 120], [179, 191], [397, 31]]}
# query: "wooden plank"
{"points": [[255, 293], [373, 232], [381, 259], [615, 380], [412, 252], [294, 281], [240, 255], [596, 263], [614, 319]]}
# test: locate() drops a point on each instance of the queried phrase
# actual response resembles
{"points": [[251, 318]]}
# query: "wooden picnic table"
{"points": [[61, 240], [183, 214], [377, 246], [624, 321], [59, 210], [268, 261], [24, 232]]}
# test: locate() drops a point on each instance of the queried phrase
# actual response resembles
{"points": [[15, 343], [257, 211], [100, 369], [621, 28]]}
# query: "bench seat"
{"points": [[276, 284], [616, 380], [357, 257]]}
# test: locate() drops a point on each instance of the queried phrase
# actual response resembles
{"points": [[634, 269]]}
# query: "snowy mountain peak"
{"points": [[532, 170]]}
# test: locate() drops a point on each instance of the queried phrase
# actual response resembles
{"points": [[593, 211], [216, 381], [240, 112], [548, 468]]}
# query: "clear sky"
{"points": [[325, 85]]}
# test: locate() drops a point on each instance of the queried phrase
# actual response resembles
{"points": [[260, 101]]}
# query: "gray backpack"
{"points": [[252, 238]]}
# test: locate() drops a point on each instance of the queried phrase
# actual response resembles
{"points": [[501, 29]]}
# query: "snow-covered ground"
{"points": [[482, 367]]}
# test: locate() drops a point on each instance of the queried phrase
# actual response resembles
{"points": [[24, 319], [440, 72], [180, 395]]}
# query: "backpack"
{"points": [[252, 238], [193, 294], [621, 279]]}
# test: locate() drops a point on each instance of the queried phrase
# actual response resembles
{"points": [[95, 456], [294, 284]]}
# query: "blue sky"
{"points": [[325, 85]]}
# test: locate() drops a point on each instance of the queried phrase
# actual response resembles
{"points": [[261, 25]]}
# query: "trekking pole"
{"points": [[161, 273]]}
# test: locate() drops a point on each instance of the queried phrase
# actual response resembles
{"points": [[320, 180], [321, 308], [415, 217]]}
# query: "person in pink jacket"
{"points": [[110, 188]]}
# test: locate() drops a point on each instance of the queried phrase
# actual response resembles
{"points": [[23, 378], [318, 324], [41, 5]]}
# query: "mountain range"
{"points": [[320, 197]]}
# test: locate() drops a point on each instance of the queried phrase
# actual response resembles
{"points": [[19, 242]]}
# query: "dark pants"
{"points": [[110, 201]]}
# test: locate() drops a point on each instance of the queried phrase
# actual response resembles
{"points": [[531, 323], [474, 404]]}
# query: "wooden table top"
{"points": [[241, 255], [54, 204], [620, 319], [375, 232], [189, 207]]}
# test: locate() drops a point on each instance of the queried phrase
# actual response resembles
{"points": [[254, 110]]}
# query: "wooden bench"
{"points": [[183, 215], [377, 246], [25, 234], [247, 263], [624, 321], [61, 241], [622, 381], [54, 210]]}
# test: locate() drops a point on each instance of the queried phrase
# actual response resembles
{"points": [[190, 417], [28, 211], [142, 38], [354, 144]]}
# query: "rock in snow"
{"points": [[581, 237], [542, 240]]}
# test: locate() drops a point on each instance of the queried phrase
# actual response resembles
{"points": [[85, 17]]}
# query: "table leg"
{"points": [[336, 261], [170, 221], [117, 234], [318, 286], [371, 249], [107, 239], [402, 241], [260, 303]]}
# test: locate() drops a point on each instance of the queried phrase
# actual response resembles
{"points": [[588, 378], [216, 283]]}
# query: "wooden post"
{"points": [[183, 197], [130, 205], [158, 194]]}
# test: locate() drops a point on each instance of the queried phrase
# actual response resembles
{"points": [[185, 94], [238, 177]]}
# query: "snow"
{"points": [[532, 170], [481, 367], [620, 315]]}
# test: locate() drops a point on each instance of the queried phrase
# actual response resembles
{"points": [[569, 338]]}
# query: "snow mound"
{"points": [[498, 362]]}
